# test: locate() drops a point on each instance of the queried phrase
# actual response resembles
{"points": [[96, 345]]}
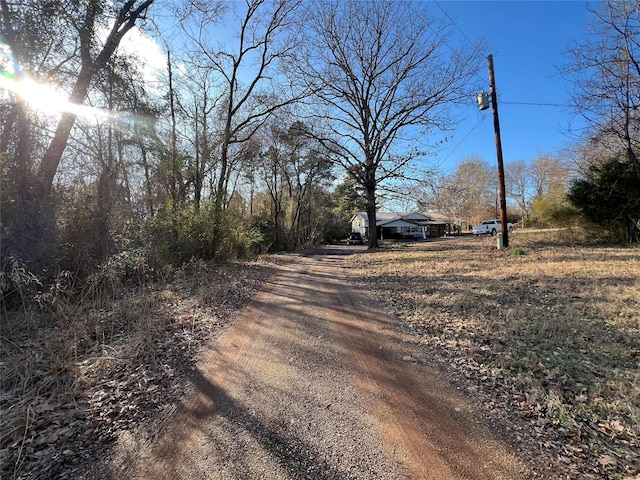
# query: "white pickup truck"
{"points": [[490, 226]]}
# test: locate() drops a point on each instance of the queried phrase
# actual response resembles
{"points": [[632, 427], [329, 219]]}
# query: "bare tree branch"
{"points": [[606, 76], [380, 70]]}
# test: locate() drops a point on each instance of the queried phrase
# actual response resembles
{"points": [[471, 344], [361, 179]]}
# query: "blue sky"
{"points": [[529, 41]]}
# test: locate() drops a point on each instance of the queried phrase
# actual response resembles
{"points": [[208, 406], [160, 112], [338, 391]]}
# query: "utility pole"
{"points": [[496, 129]]}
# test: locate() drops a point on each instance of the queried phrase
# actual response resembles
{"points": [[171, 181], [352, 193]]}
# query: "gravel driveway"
{"points": [[314, 382]]}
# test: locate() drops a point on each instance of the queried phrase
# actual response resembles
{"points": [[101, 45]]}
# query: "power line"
{"points": [[453, 22], [466, 37], [463, 139], [535, 104]]}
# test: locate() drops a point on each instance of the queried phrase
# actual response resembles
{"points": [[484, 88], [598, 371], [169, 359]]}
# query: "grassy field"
{"points": [[545, 334]]}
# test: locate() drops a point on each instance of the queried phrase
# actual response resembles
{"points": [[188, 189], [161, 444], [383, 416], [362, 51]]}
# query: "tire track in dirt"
{"points": [[427, 425], [310, 383]]}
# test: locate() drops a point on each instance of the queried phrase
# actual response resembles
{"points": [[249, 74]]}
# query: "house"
{"points": [[404, 225]]}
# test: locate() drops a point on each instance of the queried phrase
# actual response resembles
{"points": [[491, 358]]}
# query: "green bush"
{"points": [[201, 234], [554, 210], [237, 239], [609, 196]]}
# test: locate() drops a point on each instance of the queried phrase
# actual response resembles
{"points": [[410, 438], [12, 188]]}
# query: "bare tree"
{"points": [[246, 69], [530, 182], [548, 172], [467, 195], [199, 110], [443, 195], [606, 75], [384, 75], [519, 186]]}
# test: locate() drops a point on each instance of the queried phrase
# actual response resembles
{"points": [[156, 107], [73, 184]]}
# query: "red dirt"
{"points": [[313, 381]]}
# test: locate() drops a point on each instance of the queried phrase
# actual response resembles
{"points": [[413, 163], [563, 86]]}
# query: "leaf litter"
{"points": [[548, 343], [71, 388]]}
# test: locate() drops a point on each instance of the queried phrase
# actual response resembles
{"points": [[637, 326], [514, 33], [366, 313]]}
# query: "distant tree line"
{"points": [[596, 183], [536, 192]]}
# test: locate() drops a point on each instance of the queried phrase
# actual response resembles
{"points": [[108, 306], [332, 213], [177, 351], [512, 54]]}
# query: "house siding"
{"points": [[404, 225]]}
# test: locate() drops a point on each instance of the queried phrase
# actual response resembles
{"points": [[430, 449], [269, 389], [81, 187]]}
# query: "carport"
{"points": [[400, 229]]}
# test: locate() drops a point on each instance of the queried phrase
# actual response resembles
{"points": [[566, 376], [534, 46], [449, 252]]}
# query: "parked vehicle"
{"points": [[355, 238], [491, 227]]}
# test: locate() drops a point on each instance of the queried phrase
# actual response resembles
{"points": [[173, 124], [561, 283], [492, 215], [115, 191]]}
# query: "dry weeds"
{"points": [[545, 335], [77, 373], [547, 341]]}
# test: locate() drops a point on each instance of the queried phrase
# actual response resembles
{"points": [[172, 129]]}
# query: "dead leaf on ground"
{"points": [[607, 461]]}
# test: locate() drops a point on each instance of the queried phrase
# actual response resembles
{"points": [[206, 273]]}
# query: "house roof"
{"points": [[398, 222], [408, 219]]}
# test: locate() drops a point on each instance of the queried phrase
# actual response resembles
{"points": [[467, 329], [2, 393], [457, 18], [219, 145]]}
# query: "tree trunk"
{"points": [[371, 217], [125, 21], [147, 179]]}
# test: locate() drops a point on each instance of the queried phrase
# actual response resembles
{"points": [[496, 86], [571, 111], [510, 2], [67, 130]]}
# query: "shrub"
{"points": [[174, 238], [610, 197], [18, 285]]}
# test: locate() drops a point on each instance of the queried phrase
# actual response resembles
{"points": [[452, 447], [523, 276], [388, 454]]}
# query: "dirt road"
{"points": [[313, 382]]}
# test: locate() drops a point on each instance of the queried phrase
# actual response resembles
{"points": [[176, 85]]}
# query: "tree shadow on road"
{"points": [[299, 459]]}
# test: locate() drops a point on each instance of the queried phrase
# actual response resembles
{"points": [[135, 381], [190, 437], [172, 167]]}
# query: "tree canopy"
{"points": [[606, 76], [610, 197], [382, 73]]}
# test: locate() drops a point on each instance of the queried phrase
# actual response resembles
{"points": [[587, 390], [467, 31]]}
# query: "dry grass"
{"points": [[548, 341], [545, 333], [79, 370]]}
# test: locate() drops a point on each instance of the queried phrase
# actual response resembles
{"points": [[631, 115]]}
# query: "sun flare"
{"points": [[47, 99], [40, 97]]}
